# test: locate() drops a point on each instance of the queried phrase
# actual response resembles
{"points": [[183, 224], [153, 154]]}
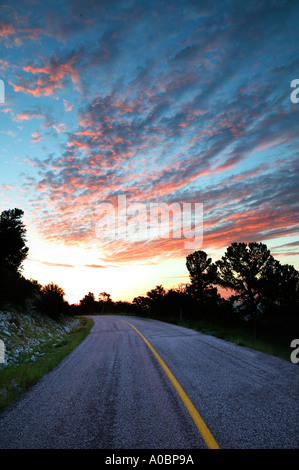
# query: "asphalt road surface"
{"points": [[112, 392]]}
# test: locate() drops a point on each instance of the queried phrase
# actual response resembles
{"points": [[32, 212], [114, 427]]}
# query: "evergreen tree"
{"points": [[13, 249]]}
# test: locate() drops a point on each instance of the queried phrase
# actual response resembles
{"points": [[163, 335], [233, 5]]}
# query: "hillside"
{"points": [[26, 335]]}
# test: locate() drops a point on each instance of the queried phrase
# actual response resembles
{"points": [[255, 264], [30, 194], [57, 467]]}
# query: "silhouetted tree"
{"points": [[104, 296], [280, 288], [202, 286], [14, 288], [88, 304], [178, 304], [13, 249], [17, 291], [105, 301], [53, 303], [122, 307], [157, 293], [241, 269], [155, 301], [141, 304]]}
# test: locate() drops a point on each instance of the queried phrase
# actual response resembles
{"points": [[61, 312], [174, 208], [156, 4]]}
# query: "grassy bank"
{"points": [[16, 379], [265, 342]]}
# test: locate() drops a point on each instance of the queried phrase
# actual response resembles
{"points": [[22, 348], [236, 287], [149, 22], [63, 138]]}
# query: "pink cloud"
{"points": [[51, 77], [6, 30], [67, 107], [37, 91], [59, 128], [26, 116], [56, 71], [36, 137]]}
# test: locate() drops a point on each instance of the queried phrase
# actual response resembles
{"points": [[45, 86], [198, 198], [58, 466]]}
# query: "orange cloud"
{"points": [[59, 128], [3, 64], [67, 107], [55, 73], [39, 90], [55, 70], [36, 137], [6, 30], [26, 116]]}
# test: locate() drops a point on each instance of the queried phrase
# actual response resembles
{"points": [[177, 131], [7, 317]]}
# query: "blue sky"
{"points": [[166, 102]]}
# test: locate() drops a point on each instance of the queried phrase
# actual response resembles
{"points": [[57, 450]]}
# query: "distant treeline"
{"points": [[263, 290]]}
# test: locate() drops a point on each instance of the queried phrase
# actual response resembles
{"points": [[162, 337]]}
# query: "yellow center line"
{"points": [[201, 426]]}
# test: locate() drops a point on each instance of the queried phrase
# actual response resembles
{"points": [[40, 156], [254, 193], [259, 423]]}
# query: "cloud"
{"points": [[287, 245], [182, 102], [4, 64], [28, 115], [96, 266], [36, 137], [55, 69], [49, 77], [52, 264], [68, 107], [6, 29]]}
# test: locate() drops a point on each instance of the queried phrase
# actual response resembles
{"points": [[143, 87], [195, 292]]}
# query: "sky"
{"points": [[184, 104]]}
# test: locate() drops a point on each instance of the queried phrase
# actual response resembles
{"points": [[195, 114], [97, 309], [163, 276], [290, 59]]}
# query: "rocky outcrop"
{"points": [[25, 335]]}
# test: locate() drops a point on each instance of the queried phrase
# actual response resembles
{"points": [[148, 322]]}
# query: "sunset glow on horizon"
{"points": [[185, 102]]}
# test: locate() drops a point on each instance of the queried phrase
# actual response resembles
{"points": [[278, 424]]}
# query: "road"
{"points": [[112, 392]]}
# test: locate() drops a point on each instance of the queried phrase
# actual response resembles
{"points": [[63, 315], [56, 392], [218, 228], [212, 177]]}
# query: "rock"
{"points": [[25, 334]]}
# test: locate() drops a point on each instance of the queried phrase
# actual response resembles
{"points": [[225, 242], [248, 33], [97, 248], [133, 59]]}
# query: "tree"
{"points": [[105, 300], [53, 290], [202, 276], [157, 293], [13, 249], [53, 302], [280, 288], [14, 289], [177, 303], [155, 299], [104, 297], [241, 269], [142, 304], [88, 303]]}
